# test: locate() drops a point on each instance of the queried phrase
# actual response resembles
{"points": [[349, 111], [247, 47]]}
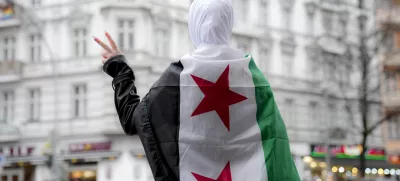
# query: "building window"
{"points": [[80, 101], [287, 19], [137, 172], [310, 8], [331, 66], [36, 2], [287, 65], [290, 111], [7, 102], [8, 45], [263, 18], [394, 128], [392, 83], [344, 19], [286, 8], [312, 111], [327, 20], [126, 34], [14, 175], [310, 26], [333, 116], [35, 47], [265, 61], [34, 104], [162, 43], [397, 40], [313, 69], [80, 45], [84, 175]]}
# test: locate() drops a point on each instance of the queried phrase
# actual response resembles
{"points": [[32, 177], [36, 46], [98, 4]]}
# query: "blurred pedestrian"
{"points": [[211, 115]]}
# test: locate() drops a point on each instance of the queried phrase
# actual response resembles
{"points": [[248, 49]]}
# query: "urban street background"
{"points": [[334, 67]]}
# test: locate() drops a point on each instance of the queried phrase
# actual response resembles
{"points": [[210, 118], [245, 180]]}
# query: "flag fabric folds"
{"points": [[205, 121]]}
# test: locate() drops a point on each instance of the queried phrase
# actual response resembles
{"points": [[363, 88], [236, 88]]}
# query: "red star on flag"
{"points": [[224, 176], [217, 96]]}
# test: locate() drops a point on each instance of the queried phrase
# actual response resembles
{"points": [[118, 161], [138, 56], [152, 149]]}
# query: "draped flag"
{"points": [[230, 127], [206, 121]]}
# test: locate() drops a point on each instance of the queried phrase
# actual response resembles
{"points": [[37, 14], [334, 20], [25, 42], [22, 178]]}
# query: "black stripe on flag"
{"points": [[163, 105]]}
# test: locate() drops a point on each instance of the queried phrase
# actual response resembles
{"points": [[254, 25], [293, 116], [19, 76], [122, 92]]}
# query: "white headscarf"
{"points": [[211, 22], [210, 28]]}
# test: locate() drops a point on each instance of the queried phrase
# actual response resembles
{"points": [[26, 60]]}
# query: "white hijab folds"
{"points": [[210, 27]]}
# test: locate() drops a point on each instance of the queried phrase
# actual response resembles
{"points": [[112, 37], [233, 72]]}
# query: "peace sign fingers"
{"points": [[112, 42], [102, 44], [108, 52]]}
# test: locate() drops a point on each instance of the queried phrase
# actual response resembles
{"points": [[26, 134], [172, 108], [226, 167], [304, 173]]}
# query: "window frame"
{"points": [[8, 108], [126, 34], [8, 44], [162, 45], [79, 100], [79, 41], [35, 47], [34, 104]]}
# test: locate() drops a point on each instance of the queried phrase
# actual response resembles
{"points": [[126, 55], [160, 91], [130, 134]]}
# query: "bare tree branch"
{"points": [[377, 124], [342, 87]]}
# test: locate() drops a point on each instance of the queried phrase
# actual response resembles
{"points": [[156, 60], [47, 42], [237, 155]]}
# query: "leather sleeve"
{"points": [[125, 94]]}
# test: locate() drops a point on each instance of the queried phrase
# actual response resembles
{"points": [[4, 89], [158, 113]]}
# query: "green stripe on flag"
{"points": [[278, 158]]}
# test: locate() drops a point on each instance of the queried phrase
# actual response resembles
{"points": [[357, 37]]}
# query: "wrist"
{"points": [[116, 66]]}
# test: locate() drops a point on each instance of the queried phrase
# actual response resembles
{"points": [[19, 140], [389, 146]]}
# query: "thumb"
{"points": [[105, 54]]}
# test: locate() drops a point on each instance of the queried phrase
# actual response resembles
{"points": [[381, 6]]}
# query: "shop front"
{"points": [[345, 164], [299, 150], [394, 159], [20, 163], [83, 160]]}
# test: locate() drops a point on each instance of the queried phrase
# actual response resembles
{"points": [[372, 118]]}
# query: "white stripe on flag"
{"points": [[205, 144]]}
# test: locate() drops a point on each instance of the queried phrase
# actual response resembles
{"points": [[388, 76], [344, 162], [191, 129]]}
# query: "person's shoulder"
{"points": [[170, 77]]}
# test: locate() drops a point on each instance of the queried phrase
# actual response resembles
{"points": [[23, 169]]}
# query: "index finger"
{"points": [[112, 42], [102, 44]]}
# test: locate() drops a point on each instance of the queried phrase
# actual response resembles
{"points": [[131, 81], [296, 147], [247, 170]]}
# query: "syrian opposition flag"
{"points": [[230, 128]]}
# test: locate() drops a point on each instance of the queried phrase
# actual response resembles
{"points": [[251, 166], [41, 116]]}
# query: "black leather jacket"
{"points": [[158, 131]]}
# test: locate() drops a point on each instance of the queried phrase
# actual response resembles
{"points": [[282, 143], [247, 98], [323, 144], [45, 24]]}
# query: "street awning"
{"points": [[94, 156], [356, 163], [138, 153], [34, 160]]}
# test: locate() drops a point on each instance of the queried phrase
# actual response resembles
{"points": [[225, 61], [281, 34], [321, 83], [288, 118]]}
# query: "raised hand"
{"points": [[108, 52]]}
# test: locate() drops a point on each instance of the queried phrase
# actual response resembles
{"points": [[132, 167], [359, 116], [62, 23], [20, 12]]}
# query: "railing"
{"points": [[388, 14], [392, 60], [72, 65], [391, 98]]}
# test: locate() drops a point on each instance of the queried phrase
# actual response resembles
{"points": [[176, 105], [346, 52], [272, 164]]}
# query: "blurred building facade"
{"points": [[53, 89], [388, 20]]}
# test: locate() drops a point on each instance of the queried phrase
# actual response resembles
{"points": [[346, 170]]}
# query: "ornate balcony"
{"points": [[9, 133], [387, 14], [391, 102], [10, 71], [8, 15], [390, 92], [391, 62]]}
